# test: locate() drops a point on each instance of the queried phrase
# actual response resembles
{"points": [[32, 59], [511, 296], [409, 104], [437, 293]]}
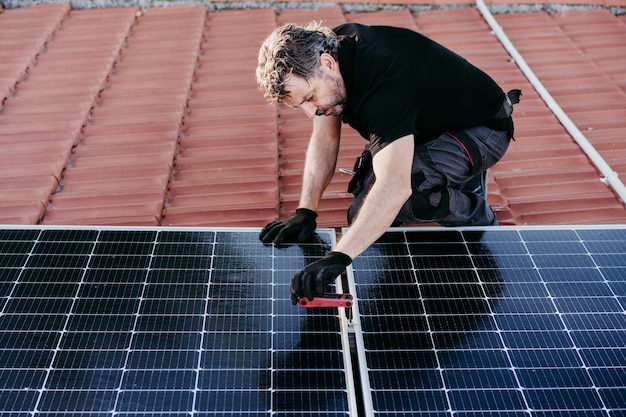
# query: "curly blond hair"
{"points": [[292, 49]]}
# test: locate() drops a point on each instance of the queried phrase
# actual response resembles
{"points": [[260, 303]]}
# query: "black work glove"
{"points": [[301, 226], [316, 276]]}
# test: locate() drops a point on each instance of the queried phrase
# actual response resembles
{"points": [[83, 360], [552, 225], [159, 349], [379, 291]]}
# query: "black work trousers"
{"points": [[448, 181]]}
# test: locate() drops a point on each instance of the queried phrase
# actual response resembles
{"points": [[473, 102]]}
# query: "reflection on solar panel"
{"points": [[503, 322], [163, 322]]}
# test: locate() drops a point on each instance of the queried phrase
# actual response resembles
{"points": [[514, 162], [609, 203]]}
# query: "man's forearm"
{"points": [[320, 162], [377, 213], [392, 188], [315, 178]]}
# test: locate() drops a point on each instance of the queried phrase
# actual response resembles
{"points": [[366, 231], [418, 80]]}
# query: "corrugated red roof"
{"points": [[130, 116]]}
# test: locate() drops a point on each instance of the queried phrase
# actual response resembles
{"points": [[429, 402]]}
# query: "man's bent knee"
{"points": [[431, 205]]}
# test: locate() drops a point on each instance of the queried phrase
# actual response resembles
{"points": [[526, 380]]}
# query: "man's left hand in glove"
{"points": [[316, 276]]}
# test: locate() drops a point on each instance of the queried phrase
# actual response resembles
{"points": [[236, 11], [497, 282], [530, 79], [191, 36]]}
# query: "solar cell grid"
{"points": [[167, 322], [511, 322], [179, 322]]}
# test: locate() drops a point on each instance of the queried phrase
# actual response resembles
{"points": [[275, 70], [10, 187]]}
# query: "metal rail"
{"points": [[609, 176]]}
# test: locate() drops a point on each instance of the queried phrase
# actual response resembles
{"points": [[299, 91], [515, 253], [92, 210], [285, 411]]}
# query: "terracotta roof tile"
{"points": [[60, 129], [23, 34], [149, 45], [583, 80], [226, 172], [152, 117]]}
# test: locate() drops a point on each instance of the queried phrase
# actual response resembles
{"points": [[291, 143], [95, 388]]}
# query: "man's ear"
{"points": [[327, 61]]}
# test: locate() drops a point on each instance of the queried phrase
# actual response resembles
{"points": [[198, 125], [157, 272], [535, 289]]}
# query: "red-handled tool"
{"points": [[327, 300]]}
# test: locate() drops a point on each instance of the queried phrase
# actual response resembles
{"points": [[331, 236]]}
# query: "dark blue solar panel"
{"points": [[163, 322], [497, 322]]}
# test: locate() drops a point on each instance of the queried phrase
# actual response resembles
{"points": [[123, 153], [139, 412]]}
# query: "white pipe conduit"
{"points": [[610, 177]]}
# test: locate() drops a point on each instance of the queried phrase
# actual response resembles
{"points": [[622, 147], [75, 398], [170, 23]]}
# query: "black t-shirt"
{"points": [[399, 82]]}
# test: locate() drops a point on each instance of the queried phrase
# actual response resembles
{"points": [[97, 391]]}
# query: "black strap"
{"points": [[514, 96], [362, 168], [501, 125], [503, 121]]}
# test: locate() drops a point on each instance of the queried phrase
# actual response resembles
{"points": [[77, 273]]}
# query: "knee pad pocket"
{"points": [[431, 204]]}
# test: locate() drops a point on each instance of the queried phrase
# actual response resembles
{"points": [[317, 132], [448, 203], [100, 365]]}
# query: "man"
{"points": [[434, 123]]}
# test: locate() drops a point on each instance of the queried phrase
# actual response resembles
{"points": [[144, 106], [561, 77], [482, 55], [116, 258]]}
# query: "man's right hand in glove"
{"points": [[297, 228], [311, 280]]}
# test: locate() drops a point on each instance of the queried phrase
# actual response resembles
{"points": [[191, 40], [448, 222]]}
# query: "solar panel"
{"points": [[494, 322], [197, 322], [164, 322]]}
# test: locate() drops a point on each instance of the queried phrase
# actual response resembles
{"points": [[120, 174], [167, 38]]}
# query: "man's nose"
{"points": [[309, 109]]}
